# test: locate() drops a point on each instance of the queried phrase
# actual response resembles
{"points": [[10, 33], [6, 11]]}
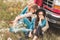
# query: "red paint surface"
{"points": [[38, 2], [52, 9]]}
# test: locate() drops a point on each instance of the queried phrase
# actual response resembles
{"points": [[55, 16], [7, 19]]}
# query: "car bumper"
{"points": [[53, 19]]}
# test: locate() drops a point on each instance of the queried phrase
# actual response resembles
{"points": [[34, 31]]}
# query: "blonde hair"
{"points": [[35, 7]]}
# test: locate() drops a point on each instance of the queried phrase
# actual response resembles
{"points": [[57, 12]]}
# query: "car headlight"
{"points": [[57, 4]]}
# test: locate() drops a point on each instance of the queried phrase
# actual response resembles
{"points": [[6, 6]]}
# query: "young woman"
{"points": [[40, 23]]}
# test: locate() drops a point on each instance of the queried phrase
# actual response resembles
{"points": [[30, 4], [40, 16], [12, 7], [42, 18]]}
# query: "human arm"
{"points": [[25, 15], [42, 23], [46, 27], [24, 10]]}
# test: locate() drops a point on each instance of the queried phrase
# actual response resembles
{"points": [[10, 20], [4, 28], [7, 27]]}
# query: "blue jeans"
{"points": [[30, 25]]}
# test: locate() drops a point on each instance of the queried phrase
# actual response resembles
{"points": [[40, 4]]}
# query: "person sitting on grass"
{"points": [[29, 22], [40, 24]]}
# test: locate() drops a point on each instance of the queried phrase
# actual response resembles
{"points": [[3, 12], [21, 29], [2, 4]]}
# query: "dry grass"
{"points": [[50, 34], [6, 10]]}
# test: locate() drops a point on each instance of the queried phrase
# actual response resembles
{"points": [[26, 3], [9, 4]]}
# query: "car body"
{"points": [[52, 8]]}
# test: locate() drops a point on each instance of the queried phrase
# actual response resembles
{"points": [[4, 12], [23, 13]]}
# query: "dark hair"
{"points": [[41, 10], [37, 13]]}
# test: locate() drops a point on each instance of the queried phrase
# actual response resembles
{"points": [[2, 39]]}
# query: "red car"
{"points": [[52, 8]]}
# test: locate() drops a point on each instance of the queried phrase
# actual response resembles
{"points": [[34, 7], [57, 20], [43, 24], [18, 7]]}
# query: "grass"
{"points": [[50, 34], [8, 12]]}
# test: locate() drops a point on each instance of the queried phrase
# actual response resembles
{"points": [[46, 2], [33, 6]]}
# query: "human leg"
{"points": [[37, 33], [35, 38], [16, 20]]}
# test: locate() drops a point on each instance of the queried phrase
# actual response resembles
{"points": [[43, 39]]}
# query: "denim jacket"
{"points": [[43, 23], [24, 10], [30, 24]]}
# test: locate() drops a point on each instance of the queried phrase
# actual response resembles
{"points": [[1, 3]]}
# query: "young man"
{"points": [[30, 23]]}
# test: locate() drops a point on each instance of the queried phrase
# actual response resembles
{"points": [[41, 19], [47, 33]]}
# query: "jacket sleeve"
{"points": [[43, 23], [24, 10]]}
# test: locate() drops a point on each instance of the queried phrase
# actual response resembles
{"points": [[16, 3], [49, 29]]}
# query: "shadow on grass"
{"points": [[52, 34]]}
